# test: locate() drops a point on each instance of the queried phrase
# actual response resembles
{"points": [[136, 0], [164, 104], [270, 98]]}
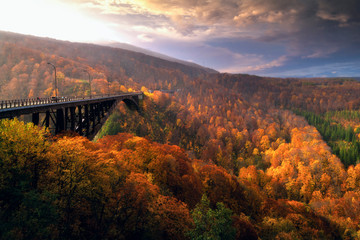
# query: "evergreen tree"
{"points": [[211, 224]]}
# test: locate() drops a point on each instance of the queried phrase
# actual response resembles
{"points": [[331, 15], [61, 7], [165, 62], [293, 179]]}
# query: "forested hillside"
{"points": [[24, 71], [221, 157]]}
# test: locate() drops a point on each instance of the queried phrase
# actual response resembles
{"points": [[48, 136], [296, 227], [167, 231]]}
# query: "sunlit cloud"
{"points": [[145, 38], [200, 20], [274, 63], [253, 64], [113, 7], [305, 30], [321, 53], [52, 19]]}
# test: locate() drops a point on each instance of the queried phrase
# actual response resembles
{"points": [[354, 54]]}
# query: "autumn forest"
{"points": [[208, 155]]}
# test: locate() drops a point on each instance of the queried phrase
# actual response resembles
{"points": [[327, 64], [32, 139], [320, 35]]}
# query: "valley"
{"points": [[222, 156]]}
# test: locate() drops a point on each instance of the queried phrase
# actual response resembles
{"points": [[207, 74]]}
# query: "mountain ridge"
{"points": [[133, 48], [25, 39]]}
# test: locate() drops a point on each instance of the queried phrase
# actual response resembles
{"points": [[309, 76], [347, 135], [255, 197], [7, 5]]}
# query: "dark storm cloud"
{"points": [[324, 29], [308, 28]]}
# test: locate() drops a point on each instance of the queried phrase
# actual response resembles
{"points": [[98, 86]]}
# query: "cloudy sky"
{"points": [[282, 38]]}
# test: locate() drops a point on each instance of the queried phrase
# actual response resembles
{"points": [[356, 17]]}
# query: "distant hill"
{"points": [[24, 71], [157, 55]]}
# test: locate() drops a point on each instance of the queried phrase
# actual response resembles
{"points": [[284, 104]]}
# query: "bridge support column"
{"points": [[92, 117], [72, 118], [35, 118], [102, 110], [66, 118], [98, 112], [80, 120], [60, 121], [47, 119], [87, 121]]}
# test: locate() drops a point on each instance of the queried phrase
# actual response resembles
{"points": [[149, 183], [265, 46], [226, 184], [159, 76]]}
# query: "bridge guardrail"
{"points": [[38, 101]]}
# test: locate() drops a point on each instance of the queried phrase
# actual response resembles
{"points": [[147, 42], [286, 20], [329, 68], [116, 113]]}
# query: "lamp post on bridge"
{"points": [[89, 81], [55, 82]]}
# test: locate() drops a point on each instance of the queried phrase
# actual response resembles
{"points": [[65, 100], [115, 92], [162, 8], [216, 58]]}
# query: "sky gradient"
{"points": [[280, 38]]}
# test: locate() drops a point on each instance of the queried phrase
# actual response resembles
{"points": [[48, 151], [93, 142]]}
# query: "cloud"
{"points": [[344, 69], [274, 63], [307, 29], [321, 53], [339, 11], [293, 22], [341, 18], [145, 38], [254, 64]]}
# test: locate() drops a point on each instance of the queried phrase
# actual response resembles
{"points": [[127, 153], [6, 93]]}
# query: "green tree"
{"points": [[212, 224], [26, 208]]}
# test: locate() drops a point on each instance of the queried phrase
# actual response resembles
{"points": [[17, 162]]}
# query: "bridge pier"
{"points": [[80, 120], [35, 118], [66, 118], [72, 118], [102, 110], [98, 112], [47, 119], [92, 117], [87, 120], [60, 121]]}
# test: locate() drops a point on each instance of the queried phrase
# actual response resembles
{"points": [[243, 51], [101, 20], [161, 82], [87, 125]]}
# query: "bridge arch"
{"points": [[131, 104]]}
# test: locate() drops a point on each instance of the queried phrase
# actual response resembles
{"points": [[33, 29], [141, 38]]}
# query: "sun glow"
{"points": [[52, 19]]}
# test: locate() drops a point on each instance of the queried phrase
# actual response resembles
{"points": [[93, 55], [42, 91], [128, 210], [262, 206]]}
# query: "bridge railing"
{"points": [[38, 101], [32, 101]]}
